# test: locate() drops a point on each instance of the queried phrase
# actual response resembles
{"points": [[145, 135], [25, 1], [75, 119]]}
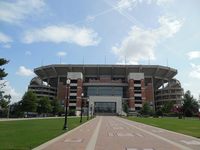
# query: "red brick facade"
{"points": [[61, 91], [146, 93], [79, 92], [143, 91], [131, 100], [149, 92]]}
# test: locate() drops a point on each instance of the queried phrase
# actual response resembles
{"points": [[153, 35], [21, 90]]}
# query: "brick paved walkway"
{"points": [[114, 133]]}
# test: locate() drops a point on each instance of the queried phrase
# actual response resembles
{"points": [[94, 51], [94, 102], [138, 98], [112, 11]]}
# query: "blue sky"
{"points": [[41, 32]]}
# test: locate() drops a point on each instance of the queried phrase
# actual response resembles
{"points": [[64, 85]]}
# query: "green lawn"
{"points": [[27, 134], [186, 126]]}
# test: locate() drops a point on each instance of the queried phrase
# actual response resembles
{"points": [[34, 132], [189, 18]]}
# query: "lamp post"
{"points": [[88, 109], [91, 110], [66, 104], [81, 107]]}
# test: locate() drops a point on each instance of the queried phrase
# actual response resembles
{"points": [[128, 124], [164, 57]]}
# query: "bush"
{"points": [[159, 113], [72, 112]]}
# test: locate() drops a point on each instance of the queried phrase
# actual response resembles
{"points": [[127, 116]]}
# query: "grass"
{"points": [[27, 134], [185, 126]]}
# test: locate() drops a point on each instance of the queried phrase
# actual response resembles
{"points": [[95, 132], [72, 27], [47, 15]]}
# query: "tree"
{"points": [[29, 102], [15, 110], [146, 109], [56, 107], [158, 113], [190, 105], [4, 99], [2, 71], [125, 107], [4, 104], [167, 107], [44, 105]]}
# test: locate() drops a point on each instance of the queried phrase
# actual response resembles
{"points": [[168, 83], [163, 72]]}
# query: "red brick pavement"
{"points": [[114, 133]]}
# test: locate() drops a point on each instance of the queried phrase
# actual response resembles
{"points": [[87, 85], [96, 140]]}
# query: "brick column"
{"points": [[79, 92], [61, 92], [143, 91], [149, 92], [131, 99]]}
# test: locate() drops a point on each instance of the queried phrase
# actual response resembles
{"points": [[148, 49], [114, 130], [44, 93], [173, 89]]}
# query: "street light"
{"points": [[88, 109], [66, 103], [91, 110], [81, 107]]}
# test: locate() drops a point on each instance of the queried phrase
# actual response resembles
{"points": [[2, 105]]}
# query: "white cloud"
{"points": [[4, 38], [8, 89], [23, 71], [127, 4], [195, 73], [140, 43], [162, 2], [130, 4], [68, 33], [168, 26], [61, 54], [193, 54], [193, 86], [28, 53], [15, 12]]}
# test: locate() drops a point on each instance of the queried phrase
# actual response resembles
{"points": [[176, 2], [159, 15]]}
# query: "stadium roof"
{"points": [[158, 73]]}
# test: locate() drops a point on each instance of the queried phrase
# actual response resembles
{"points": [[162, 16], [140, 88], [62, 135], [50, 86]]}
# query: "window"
{"points": [[73, 87], [137, 82], [73, 91], [137, 108], [118, 91], [137, 88], [72, 97], [73, 81], [138, 98], [92, 91], [105, 91], [138, 102], [137, 92]]}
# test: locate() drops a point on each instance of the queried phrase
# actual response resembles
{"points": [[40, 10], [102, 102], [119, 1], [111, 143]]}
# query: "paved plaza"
{"points": [[115, 133]]}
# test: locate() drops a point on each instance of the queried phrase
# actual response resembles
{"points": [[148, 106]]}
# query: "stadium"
{"points": [[106, 89]]}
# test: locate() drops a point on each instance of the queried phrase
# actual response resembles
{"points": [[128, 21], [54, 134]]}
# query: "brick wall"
{"points": [[131, 101], [149, 92], [61, 91], [79, 92], [143, 91]]}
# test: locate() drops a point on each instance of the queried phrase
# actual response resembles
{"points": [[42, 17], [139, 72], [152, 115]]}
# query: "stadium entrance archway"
{"points": [[105, 105], [105, 108]]}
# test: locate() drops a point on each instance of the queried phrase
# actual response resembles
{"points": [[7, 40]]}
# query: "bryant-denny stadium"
{"points": [[108, 87]]}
